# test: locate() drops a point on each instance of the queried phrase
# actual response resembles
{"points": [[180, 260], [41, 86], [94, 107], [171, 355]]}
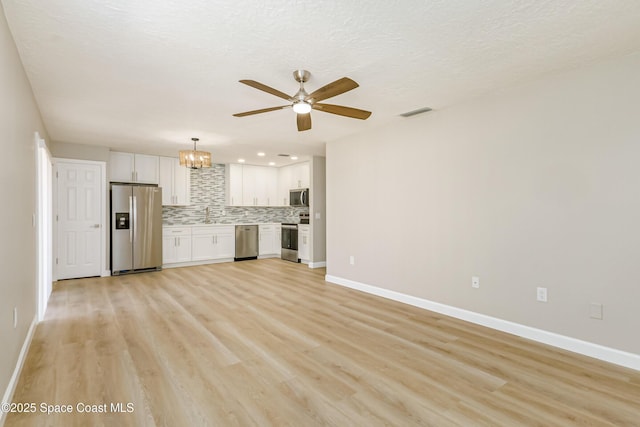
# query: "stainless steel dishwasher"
{"points": [[246, 242]]}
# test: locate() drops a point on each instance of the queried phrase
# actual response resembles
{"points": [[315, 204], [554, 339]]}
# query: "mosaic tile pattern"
{"points": [[208, 190]]}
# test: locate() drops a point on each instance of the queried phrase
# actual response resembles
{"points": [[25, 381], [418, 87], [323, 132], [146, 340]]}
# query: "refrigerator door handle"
{"points": [[135, 217], [130, 213]]}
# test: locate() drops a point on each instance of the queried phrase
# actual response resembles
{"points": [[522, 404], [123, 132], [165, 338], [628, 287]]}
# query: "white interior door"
{"points": [[79, 219]]}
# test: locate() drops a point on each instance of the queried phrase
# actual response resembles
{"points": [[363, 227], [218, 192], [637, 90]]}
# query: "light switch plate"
{"points": [[475, 282], [595, 311], [541, 294]]}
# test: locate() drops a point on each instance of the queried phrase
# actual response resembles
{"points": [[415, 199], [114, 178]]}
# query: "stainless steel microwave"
{"points": [[299, 197]]}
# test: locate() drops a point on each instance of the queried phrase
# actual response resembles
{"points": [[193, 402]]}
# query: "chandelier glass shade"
{"points": [[195, 159]]}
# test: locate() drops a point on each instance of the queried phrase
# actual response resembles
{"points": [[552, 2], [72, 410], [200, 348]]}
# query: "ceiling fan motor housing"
{"points": [[301, 75]]}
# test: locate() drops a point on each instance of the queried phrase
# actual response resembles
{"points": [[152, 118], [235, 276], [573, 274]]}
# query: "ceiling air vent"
{"points": [[415, 112], [283, 155]]}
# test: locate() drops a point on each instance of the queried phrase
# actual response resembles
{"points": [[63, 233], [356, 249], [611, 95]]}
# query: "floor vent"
{"points": [[415, 112]]}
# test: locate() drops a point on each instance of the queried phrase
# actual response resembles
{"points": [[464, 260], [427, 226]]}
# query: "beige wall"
{"points": [[19, 120], [535, 185], [66, 150], [318, 207]]}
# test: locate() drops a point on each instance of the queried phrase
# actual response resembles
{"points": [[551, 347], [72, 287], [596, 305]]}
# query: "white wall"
{"points": [[19, 120], [534, 185]]}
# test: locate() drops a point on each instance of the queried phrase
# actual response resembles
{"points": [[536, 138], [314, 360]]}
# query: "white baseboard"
{"points": [[318, 264], [607, 354], [106, 273], [13, 382]]}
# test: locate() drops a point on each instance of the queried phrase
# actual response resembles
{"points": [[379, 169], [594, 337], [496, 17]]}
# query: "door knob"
{"points": [[95, 226]]}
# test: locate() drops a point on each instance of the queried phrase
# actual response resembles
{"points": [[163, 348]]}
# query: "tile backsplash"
{"points": [[208, 190]]}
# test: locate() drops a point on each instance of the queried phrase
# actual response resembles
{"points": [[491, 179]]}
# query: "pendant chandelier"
{"points": [[195, 159]]}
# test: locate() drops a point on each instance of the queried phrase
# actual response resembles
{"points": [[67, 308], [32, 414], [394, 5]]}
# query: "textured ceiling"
{"points": [[147, 75]]}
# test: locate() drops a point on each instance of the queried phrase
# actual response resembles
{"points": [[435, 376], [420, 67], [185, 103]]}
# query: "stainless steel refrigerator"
{"points": [[136, 228]]}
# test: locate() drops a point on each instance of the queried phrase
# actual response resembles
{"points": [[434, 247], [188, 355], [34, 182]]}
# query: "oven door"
{"points": [[290, 242]]}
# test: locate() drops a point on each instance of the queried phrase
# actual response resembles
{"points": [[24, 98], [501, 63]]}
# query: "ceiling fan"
{"points": [[303, 102]]}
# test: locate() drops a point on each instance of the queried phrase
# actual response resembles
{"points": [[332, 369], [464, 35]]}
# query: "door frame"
{"points": [[103, 209], [44, 225]]}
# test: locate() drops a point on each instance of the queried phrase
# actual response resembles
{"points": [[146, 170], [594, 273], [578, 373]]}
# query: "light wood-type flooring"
{"points": [[269, 343]]}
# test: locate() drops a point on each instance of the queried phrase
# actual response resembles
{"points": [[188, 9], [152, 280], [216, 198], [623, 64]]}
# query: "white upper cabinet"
{"points": [[233, 183], [285, 178], [251, 185], [301, 175], [259, 186], [175, 181], [291, 177], [138, 168]]}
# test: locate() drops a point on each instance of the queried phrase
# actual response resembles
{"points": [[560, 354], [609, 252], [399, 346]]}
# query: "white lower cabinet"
{"points": [[176, 245], [269, 241], [206, 243], [304, 242], [216, 242]]}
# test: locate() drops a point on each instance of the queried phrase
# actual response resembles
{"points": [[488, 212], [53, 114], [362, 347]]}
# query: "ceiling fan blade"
{"points": [[354, 113], [304, 121], [264, 110], [266, 88], [342, 85]]}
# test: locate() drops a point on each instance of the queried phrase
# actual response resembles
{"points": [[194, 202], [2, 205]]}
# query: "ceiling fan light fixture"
{"points": [[301, 107], [195, 159]]}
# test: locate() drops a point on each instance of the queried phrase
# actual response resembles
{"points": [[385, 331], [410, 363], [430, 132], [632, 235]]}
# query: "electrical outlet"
{"points": [[542, 294], [595, 311], [352, 260], [15, 317], [475, 282]]}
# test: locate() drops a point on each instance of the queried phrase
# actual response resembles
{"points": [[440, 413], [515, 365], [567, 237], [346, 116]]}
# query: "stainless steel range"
{"points": [[290, 242]]}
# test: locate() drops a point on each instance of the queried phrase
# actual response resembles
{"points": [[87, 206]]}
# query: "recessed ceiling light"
{"points": [[240, 160], [294, 157], [272, 163], [261, 154]]}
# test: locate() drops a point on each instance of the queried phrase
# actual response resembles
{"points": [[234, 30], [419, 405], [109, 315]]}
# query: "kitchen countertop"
{"points": [[219, 224]]}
